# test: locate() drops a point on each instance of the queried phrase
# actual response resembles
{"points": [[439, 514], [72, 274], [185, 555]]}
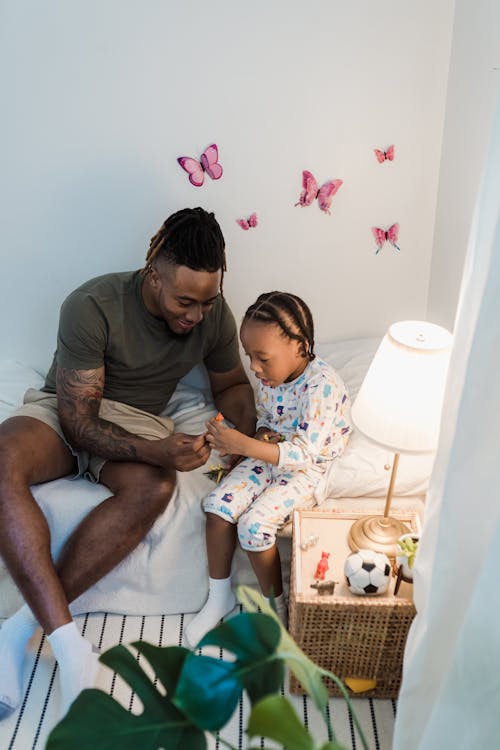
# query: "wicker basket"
{"points": [[351, 636]]}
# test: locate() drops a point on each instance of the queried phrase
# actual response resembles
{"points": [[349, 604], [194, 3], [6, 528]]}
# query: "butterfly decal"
{"points": [[209, 163], [246, 224], [383, 155], [383, 235], [324, 194]]}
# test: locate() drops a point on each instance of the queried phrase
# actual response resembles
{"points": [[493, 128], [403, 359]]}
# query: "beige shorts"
{"points": [[43, 406]]}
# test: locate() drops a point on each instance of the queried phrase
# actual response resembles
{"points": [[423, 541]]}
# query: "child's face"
{"points": [[274, 358]]}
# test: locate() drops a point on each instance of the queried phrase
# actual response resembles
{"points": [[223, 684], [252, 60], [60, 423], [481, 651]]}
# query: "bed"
{"points": [[167, 572]]}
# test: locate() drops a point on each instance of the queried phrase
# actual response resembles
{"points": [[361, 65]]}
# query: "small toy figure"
{"points": [[216, 473], [324, 587], [219, 417], [273, 439], [309, 542], [322, 567]]}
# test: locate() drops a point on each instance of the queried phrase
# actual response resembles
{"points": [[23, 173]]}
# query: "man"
{"points": [[124, 342]]}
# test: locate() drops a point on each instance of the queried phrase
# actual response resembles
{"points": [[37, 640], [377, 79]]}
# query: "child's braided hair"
{"points": [[290, 313]]}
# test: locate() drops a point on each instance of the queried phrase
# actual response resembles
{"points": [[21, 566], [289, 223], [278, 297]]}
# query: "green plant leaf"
{"points": [[247, 636], [126, 665], [264, 679], [305, 670], [273, 717], [208, 691], [166, 661], [253, 639], [96, 721]]}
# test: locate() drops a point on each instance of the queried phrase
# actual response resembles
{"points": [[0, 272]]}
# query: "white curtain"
{"points": [[450, 696]]}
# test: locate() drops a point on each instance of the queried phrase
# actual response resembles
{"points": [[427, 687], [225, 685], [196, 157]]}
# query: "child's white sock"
{"points": [[14, 636], [221, 600], [281, 607], [78, 664]]}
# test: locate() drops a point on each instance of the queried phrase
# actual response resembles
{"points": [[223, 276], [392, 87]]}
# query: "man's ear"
{"points": [[154, 277]]}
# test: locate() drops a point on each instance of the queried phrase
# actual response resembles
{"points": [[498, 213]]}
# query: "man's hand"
{"points": [[225, 440], [79, 395], [184, 452]]}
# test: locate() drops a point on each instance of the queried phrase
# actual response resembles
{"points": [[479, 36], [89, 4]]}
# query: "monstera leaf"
{"points": [[209, 689], [96, 721]]}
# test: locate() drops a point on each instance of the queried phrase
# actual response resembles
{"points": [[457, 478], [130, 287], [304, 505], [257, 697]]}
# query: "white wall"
{"points": [[474, 80], [99, 98]]}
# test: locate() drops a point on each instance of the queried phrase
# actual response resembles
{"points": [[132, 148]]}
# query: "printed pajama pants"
{"points": [[260, 498]]}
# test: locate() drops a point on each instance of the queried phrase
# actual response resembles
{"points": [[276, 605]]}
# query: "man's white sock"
{"points": [[78, 664], [14, 636], [220, 602]]}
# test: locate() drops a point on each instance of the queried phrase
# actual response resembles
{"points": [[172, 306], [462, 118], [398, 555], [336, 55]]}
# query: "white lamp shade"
{"points": [[399, 403]]}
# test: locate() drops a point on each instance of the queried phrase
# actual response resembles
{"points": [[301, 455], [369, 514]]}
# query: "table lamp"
{"points": [[399, 407]]}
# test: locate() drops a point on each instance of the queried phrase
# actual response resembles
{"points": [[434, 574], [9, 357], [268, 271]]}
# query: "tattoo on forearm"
{"points": [[79, 395]]}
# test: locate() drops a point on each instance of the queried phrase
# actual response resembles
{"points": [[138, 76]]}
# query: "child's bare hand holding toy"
{"points": [[226, 440]]}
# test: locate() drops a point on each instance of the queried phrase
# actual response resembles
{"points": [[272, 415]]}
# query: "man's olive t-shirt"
{"points": [[105, 323]]}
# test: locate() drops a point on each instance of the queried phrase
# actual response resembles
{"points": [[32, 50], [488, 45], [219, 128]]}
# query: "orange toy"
{"points": [[219, 417], [322, 567]]}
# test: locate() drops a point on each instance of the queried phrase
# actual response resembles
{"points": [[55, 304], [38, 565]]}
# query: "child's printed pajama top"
{"points": [[313, 414]]}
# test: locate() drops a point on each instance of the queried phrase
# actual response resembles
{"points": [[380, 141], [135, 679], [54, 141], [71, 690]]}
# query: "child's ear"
{"points": [[304, 349]]}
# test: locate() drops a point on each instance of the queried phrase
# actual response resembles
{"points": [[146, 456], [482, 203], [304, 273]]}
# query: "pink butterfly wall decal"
{"points": [[246, 224], [324, 194], [208, 163], [383, 155], [389, 235]]}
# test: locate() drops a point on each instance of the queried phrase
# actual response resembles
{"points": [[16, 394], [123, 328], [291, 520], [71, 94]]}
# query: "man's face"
{"points": [[181, 296]]}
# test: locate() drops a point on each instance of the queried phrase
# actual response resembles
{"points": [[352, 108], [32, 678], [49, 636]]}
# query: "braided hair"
{"points": [[190, 237], [290, 313]]}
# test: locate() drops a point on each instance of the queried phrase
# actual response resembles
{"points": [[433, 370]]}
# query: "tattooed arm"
{"points": [[79, 395]]}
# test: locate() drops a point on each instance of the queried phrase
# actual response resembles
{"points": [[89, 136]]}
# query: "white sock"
{"points": [[281, 607], [78, 664], [14, 636], [221, 600]]}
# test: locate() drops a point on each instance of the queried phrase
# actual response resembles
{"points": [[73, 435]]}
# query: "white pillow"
{"points": [[360, 470]]}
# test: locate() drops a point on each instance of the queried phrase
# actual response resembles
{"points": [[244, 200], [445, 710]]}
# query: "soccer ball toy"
{"points": [[367, 572]]}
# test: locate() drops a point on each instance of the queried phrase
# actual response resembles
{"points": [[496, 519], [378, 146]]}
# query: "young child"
{"points": [[303, 423]]}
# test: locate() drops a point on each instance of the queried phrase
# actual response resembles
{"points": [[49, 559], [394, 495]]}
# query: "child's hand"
{"points": [[268, 436], [224, 439]]}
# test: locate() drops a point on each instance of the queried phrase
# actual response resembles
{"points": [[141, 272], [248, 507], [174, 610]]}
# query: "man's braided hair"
{"points": [[191, 237], [290, 313]]}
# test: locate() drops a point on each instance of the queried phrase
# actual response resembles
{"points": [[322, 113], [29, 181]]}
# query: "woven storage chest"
{"points": [[351, 636]]}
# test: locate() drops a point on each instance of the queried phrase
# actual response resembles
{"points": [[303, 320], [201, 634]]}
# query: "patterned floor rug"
{"points": [[29, 727]]}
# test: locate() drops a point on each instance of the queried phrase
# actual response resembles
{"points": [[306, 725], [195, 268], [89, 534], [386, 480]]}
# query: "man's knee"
{"points": [[12, 464], [31, 452], [149, 488], [161, 488]]}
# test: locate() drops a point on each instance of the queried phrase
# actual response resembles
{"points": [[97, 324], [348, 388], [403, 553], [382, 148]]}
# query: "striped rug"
{"points": [[29, 727]]}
